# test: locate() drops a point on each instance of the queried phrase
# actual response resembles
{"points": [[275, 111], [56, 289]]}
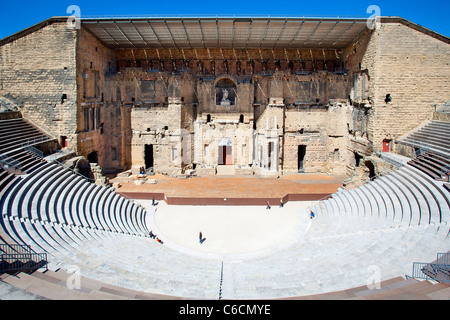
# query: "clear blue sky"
{"points": [[18, 15]]}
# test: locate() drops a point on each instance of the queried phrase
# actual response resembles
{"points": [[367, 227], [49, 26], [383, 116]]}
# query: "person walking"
{"points": [[268, 205], [281, 203], [200, 237]]}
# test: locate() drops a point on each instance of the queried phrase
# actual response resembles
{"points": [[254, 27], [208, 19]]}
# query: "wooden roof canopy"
{"points": [[224, 32]]}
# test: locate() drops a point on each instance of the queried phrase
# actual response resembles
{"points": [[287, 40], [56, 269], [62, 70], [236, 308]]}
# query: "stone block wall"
{"points": [[407, 65], [109, 137], [115, 102], [38, 73]]}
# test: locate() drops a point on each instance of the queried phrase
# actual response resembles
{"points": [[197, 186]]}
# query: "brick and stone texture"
{"points": [[112, 105], [409, 65], [38, 73]]}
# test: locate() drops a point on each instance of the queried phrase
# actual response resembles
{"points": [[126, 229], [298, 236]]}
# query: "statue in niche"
{"points": [[225, 94], [225, 100]]}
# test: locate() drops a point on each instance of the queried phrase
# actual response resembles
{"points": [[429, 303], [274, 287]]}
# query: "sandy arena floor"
{"points": [[231, 232]]}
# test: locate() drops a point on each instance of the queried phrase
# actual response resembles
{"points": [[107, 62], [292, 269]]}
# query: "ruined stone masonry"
{"points": [[260, 96]]}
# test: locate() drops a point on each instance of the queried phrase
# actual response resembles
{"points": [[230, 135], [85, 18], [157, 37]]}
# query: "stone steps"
{"points": [[434, 135], [386, 224], [405, 196]]}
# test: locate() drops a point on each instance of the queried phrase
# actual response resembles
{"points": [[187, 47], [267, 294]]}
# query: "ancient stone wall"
{"points": [[179, 109], [408, 73], [322, 132], [37, 73], [185, 90], [241, 62], [101, 131]]}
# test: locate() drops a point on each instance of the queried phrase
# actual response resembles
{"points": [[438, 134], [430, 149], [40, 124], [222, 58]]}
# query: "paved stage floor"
{"points": [[231, 187]]}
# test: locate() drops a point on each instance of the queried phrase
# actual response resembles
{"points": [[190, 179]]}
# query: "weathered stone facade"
{"points": [[38, 73], [226, 110]]}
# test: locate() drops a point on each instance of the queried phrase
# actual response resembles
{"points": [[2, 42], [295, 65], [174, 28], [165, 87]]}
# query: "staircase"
{"points": [[439, 270], [62, 285], [16, 258], [433, 136]]}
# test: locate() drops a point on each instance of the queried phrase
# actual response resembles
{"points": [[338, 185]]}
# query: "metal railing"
{"points": [[443, 258], [14, 248], [8, 162], [445, 171], [36, 140], [438, 271], [15, 257], [32, 149]]}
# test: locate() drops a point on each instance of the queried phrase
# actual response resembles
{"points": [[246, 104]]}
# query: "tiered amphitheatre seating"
{"points": [[333, 255], [388, 224], [15, 135], [137, 263], [381, 227], [433, 136], [50, 207], [53, 285], [405, 197], [338, 253], [5, 178], [16, 132], [56, 195], [433, 164], [396, 288]]}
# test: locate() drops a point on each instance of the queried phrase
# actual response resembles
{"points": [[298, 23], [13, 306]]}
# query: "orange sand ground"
{"points": [[233, 187]]}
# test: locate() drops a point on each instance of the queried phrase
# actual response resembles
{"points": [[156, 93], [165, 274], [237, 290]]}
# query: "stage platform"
{"points": [[229, 190]]}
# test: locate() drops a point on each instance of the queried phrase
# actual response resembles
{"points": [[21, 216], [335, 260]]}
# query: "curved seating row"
{"points": [[435, 165], [434, 136], [15, 132], [55, 195], [406, 196], [361, 230]]}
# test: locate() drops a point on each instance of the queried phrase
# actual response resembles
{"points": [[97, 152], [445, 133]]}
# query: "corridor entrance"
{"points": [[148, 156], [301, 156], [225, 155]]}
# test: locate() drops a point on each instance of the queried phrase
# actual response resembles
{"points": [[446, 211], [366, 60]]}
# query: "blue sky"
{"points": [[18, 15]]}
